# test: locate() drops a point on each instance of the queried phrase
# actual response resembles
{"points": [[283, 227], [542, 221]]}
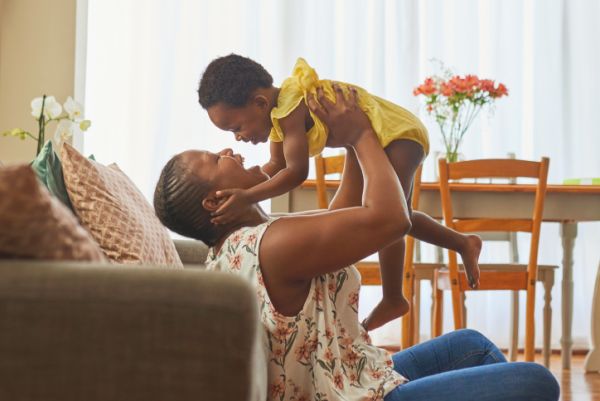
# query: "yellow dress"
{"points": [[389, 121]]}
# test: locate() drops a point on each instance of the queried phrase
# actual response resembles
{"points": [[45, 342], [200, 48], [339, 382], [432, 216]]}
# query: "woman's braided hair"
{"points": [[178, 203]]}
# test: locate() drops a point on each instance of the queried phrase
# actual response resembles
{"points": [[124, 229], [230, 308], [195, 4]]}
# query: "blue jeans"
{"points": [[464, 365]]}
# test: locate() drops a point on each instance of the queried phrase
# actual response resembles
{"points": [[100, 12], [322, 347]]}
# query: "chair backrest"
{"points": [[325, 166], [504, 236], [496, 168], [329, 165]]}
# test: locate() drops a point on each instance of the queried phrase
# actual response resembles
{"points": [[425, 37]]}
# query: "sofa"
{"points": [[100, 331]]}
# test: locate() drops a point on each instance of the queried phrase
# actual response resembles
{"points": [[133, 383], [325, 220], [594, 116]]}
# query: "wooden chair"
{"points": [[510, 276], [369, 270], [545, 276]]}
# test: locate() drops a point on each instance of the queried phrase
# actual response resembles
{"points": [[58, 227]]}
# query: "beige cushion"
{"points": [[115, 212], [36, 225]]}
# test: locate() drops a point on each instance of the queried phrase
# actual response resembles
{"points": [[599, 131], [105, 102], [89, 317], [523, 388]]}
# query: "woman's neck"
{"points": [[253, 218]]}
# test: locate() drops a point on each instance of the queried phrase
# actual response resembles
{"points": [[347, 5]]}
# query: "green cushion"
{"points": [[48, 168]]}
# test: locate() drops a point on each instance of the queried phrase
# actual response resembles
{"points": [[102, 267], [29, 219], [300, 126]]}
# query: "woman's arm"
{"points": [[296, 249], [350, 190]]}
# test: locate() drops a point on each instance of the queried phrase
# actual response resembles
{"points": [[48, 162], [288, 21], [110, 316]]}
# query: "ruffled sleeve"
{"points": [[293, 90]]}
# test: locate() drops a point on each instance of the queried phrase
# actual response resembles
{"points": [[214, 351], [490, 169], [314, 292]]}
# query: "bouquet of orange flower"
{"points": [[455, 101]]}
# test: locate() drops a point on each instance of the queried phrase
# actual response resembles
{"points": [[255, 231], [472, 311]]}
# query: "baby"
{"points": [[239, 96]]}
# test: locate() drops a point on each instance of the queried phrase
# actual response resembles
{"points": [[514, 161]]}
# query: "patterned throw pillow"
{"points": [[115, 212], [36, 225]]}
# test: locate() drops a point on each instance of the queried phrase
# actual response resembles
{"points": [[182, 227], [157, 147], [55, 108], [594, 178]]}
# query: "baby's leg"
{"points": [[393, 304], [407, 156], [424, 227], [431, 231]]}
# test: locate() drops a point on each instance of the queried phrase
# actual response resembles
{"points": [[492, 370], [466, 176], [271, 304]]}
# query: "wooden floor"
{"points": [[575, 384]]}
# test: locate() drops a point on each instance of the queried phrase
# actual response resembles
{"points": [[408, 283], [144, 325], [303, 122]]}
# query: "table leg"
{"points": [[568, 233], [592, 360]]}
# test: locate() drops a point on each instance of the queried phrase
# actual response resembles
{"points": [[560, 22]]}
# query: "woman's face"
{"points": [[224, 170]]}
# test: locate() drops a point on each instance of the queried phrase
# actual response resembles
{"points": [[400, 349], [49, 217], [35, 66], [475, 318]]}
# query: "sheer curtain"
{"points": [[145, 60]]}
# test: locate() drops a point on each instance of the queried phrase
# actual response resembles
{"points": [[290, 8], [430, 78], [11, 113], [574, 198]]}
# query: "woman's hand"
{"points": [[236, 205], [344, 118]]}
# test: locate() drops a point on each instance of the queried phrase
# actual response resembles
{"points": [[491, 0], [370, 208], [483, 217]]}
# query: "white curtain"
{"points": [[145, 59]]}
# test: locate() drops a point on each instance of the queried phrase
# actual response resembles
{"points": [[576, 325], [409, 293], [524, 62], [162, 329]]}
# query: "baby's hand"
{"points": [[234, 207], [344, 118]]}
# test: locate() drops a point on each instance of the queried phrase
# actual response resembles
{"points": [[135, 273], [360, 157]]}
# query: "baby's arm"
{"points": [[277, 161], [292, 155], [293, 166]]}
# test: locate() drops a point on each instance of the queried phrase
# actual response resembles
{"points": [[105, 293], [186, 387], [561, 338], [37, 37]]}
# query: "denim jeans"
{"points": [[465, 366]]}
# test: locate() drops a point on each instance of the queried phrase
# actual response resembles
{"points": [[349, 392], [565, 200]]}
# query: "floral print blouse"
{"points": [[322, 353]]}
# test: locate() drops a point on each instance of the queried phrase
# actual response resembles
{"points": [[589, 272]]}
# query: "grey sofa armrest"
{"points": [[191, 252], [73, 331]]}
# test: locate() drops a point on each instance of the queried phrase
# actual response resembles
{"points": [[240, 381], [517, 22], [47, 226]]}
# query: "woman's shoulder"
{"points": [[242, 242]]}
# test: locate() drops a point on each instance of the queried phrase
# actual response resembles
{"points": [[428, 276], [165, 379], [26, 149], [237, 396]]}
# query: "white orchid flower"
{"points": [[73, 109], [64, 131], [52, 109]]}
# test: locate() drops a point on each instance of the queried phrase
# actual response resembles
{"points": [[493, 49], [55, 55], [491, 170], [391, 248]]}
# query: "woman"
{"points": [[308, 290]]}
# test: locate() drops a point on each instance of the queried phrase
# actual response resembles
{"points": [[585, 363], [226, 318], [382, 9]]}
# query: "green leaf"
{"points": [[361, 366], [323, 365], [290, 343]]}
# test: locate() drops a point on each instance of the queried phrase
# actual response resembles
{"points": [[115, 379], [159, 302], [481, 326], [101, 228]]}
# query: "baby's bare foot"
{"points": [[386, 311], [470, 258]]}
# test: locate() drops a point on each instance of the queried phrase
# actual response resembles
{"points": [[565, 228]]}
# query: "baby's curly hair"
{"points": [[231, 80]]}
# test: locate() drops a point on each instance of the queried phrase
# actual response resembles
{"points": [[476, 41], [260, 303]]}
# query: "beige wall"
{"points": [[37, 56]]}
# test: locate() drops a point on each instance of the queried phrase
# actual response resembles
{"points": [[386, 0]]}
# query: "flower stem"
{"points": [[31, 136]]}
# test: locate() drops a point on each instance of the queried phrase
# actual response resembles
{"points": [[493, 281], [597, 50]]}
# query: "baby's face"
{"points": [[249, 123]]}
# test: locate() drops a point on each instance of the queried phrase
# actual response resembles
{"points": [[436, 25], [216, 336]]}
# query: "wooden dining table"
{"points": [[566, 205]]}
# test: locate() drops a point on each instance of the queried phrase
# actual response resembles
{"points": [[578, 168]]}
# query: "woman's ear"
{"points": [[212, 202]]}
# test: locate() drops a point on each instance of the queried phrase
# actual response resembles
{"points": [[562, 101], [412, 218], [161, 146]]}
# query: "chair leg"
{"points": [[417, 314], [438, 311], [548, 283], [405, 330], [408, 319], [513, 348], [463, 296], [434, 310], [530, 323], [457, 307]]}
